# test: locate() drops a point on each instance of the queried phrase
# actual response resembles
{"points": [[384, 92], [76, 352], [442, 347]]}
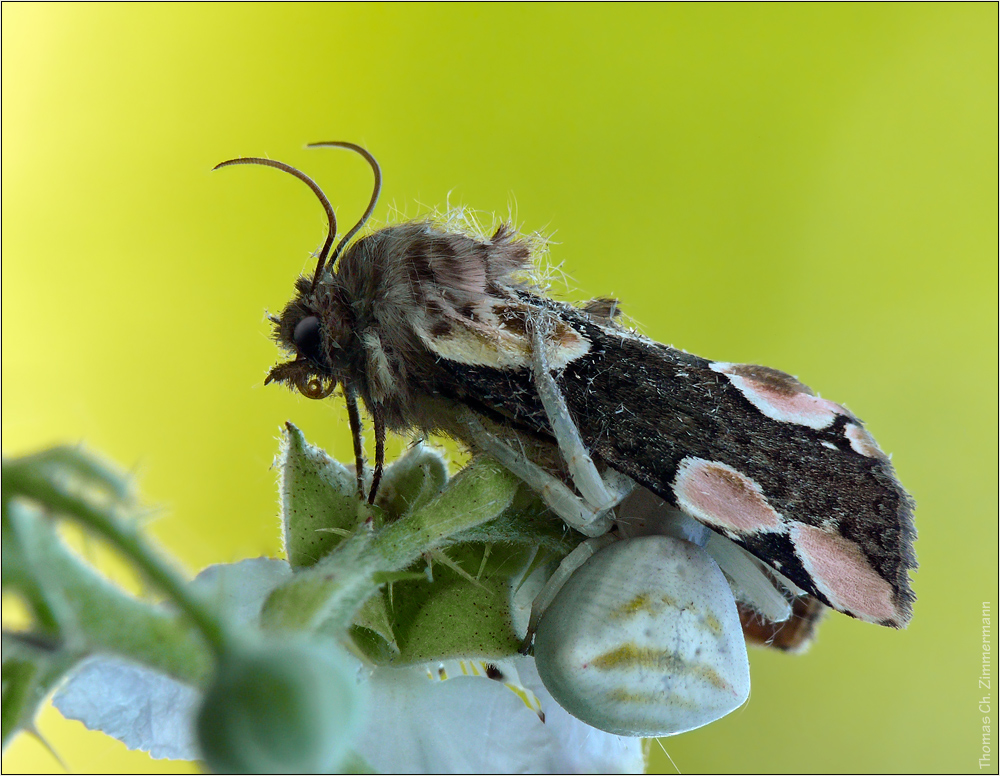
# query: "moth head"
{"points": [[300, 331], [316, 329], [314, 326]]}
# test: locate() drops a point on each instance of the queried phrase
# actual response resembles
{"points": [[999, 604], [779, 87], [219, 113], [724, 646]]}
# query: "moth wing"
{"points": [[753, 454], [750, 452], [495, 335]]}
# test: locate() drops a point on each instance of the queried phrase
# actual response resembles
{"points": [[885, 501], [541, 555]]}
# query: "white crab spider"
{"points": [[644, 640], [637, 631]]}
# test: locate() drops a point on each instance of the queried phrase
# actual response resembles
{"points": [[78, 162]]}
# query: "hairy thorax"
{"points": [[398, 294]]}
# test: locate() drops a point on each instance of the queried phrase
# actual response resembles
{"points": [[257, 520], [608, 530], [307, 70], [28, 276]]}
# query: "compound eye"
{"points": [[307, 338]]}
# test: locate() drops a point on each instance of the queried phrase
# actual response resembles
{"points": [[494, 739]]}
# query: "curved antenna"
{"points": [[331, 218], [375, 191]]}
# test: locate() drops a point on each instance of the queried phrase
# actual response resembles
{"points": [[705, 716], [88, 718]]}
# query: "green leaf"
{"points": [[93, 615], [316, 493], [412, 480], [31, 670], [62, 488], [455, 617], [373, 646], [476, 495], [372, 629], [528, 522]]}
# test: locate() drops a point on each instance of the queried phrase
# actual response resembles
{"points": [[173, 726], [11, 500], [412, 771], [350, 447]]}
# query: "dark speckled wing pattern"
{"points": [[643, 408]]}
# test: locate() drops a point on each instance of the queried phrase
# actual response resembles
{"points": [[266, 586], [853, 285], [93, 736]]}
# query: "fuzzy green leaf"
{"points": [[317, 493], [457, 618], [412, 480]]}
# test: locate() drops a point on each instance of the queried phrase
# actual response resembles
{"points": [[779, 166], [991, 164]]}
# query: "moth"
{"points": [[439, 331]]}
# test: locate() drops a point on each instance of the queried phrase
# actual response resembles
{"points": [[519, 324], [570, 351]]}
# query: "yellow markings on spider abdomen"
{"points": [[653, 604], [712, 623], [642, 603], [631, 656], [637, 698]]}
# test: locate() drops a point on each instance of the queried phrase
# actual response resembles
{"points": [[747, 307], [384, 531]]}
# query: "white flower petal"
{"points": [[143, 709], [583, 749], [471, 724], [241, 588], [463, 725]]}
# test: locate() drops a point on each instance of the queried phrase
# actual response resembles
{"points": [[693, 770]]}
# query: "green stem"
{"points": [[93, 615], [330, 592], [18, 479], [477, 494]]}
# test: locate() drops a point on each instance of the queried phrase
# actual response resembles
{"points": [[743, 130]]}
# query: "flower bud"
{"points": [[291, 707]]}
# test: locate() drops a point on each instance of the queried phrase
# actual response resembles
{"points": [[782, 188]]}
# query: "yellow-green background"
{"points": [[812, 187]]}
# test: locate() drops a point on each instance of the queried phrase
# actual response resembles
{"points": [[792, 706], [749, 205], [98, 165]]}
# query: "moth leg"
{"points": [[354, 417], [585, 476], [379, 424], [584, 550], [575, 512]]}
